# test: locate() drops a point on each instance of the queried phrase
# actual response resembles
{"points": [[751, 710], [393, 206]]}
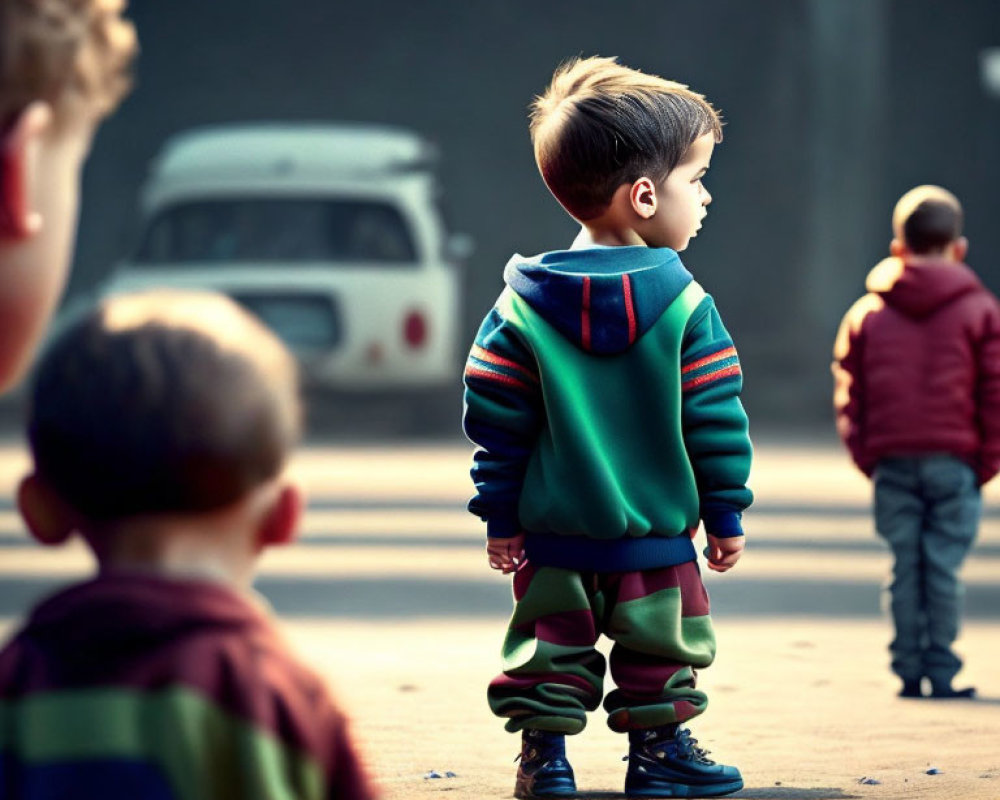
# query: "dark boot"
{"points": [[911, 688], [944, 691], [544, 770], [667, 762]]}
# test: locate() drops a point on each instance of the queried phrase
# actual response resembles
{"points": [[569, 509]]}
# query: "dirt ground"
{"points": [[801, 698], [807, 710]]}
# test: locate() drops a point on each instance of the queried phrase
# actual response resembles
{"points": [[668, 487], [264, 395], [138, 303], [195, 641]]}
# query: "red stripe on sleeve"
{"points": [[492, 358], [496, 377], [711, 376], [701, 362]]}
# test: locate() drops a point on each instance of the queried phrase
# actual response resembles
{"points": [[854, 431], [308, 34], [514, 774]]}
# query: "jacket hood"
{"points": [[600, 298], [132, 613], [919, 288]]}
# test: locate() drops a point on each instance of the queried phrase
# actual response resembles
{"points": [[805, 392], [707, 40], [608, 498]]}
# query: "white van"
{"points": [[330, 233]]}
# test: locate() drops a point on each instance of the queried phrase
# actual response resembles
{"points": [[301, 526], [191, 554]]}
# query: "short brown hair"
{"points": [[59, 50], [600, 124], [927, 219], [162, 401]]}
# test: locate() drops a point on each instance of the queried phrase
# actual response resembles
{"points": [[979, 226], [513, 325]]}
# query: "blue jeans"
{"points": [[927, 508]]}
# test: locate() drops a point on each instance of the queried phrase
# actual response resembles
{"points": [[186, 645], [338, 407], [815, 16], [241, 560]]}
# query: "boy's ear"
{"points": [[897, 247], [49, 519], [960, 248], [280, 522], [17, 155], [642, 197]]}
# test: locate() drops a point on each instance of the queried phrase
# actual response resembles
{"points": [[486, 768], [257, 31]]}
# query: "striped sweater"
{"points": [[133, 686], [602, 391]]}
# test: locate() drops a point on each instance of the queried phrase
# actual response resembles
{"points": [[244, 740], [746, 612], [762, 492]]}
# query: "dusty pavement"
{"points": [[389, 595]]}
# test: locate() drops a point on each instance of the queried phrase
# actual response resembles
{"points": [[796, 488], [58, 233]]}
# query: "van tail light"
{"points": [[415, 330]]}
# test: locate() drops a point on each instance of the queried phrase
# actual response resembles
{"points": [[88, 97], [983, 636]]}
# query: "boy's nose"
{"points": [[707, 197]]}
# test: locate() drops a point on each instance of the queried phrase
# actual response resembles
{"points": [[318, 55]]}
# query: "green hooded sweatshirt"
{"points": [[603, 392]]}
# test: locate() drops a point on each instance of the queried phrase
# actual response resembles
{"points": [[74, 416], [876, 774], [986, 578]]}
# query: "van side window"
{"points": [[278, 229]]}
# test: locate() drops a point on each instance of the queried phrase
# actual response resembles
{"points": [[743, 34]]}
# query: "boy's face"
{"points": [[681, 199]]}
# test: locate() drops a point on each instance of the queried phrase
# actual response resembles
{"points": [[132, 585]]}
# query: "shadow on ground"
{"points": [[794, 793], [769, 793], [394, 597]]}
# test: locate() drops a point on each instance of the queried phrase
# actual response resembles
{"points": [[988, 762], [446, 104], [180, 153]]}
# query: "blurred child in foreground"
{"points": [[63, 67], [917, 397], [603, 393], [159, 428]]}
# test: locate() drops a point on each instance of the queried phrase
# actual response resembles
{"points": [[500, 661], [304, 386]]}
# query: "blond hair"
{"points": [[63, 52], [600, 124]]}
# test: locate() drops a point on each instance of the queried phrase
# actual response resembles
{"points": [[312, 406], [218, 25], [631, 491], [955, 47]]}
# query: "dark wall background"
{"points": [[833, 110]]}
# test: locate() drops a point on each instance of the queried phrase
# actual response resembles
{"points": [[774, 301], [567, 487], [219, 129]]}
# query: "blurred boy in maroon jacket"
{"points": [[917, 370]]}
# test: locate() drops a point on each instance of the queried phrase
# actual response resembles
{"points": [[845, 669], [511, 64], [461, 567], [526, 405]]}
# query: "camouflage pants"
{"points": [[552, 674]]}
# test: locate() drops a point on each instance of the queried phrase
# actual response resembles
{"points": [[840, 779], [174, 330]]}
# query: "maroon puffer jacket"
{"points": [[917, 366]]}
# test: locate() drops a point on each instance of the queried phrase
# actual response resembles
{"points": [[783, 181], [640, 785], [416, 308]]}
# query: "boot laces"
{"points": [[542, 752], [681, 746], [685, 746]]}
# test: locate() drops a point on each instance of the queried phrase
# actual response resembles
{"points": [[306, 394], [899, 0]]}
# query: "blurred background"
{"points": [[833, 109]]}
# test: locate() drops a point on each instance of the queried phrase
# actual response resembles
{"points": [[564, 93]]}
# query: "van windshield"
{"points": [[277, 229]]}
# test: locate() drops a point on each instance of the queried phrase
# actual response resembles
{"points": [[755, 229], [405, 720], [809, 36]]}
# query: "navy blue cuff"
{"points": [[626, 554], [502, 527], [722, 523]]}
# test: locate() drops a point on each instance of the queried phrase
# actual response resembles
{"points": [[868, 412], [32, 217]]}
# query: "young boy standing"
{"points": [[63, 67], [159, 427], [603, 394], [917, 369]]}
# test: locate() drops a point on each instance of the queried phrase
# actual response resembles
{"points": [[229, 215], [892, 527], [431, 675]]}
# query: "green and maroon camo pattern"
{"points": [[552, 674]]}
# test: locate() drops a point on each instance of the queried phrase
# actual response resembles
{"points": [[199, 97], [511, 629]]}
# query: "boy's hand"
{"points": [[505, 555], [724, 551]]}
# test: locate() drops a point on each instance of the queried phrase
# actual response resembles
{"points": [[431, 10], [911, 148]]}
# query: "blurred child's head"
{"points": [[72, 55], [64, 65], [927, 221], [160, 404], [601, 126]]}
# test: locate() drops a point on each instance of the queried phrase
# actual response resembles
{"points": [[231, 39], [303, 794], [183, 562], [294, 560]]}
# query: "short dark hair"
{"points": [[600, 125], [928, 219], [162, 402]]}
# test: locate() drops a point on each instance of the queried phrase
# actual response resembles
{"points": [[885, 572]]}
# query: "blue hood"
{"points": [[602, 299]]}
